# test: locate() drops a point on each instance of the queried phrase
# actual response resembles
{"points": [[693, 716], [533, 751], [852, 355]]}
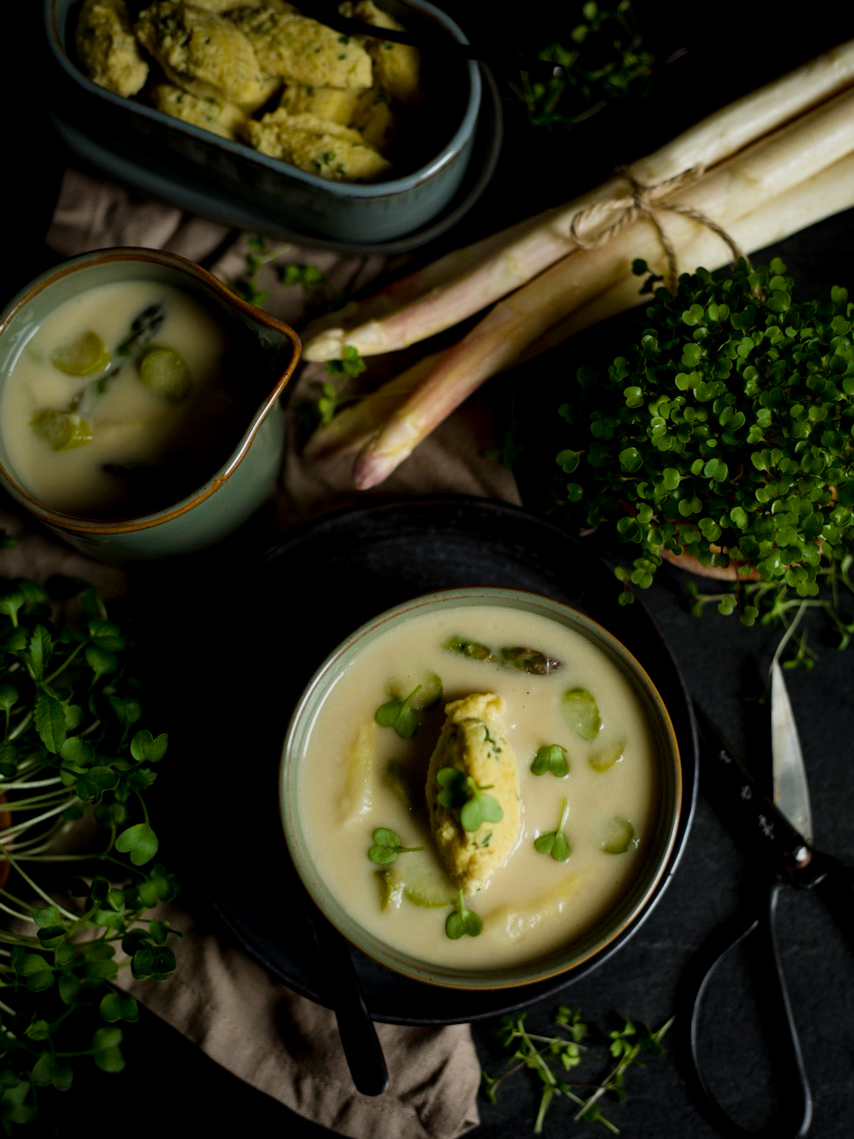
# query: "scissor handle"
{"points": [[796, 1113]]}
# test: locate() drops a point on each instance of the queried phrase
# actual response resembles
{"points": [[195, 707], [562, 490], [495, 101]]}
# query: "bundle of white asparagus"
{"points": [[761, 169]]}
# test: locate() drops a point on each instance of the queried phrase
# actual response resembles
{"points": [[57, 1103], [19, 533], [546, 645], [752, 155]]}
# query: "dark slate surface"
{"points": [[730, 48]]}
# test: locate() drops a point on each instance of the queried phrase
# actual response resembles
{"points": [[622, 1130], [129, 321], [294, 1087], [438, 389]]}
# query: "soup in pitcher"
{"points": [[123, 401]]}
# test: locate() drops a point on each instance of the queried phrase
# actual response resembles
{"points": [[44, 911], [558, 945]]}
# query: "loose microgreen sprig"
{"points": [[725, 433], [459, 792], [575, 1044], [258, 255], [71, 748], [555, 842], [387, 846], [349, 367], [602, 59]]}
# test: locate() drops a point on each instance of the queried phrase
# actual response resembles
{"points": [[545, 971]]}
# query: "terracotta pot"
{"points": [[733, 572]]}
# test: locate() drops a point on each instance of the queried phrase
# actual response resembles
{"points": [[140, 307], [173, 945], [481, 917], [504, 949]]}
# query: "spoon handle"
{"points": [[356, 1027]]}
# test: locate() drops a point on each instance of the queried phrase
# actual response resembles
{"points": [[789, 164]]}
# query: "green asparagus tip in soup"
{"points": [[532, 661], [164, 370], [61, 430], [86, 355], [582, 713], [618, 836]]}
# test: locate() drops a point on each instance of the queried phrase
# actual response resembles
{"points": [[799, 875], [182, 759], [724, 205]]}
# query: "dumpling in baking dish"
{"points": [[397, 66], [216, 115], [205, 53], [108, 49], [317, 146], [300, 50]]}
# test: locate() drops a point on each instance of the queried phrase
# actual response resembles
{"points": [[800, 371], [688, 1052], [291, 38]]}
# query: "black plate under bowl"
{"points": [[311, 591]]}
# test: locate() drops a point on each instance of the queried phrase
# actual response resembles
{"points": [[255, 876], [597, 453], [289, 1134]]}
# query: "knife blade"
{"points": [[791, 791]]}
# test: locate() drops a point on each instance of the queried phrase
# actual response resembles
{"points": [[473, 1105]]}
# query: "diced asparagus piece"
{"points": [[86, 355], [62, 430], [618, 835], [582, 713], [165, 371]]}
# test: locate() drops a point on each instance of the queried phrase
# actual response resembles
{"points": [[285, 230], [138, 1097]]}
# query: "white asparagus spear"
{"points": [[826, 193], [734, 188], [459, 285], [816, 198], [355, 423]]}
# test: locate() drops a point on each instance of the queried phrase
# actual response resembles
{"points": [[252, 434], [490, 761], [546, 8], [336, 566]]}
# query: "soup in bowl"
{"points": [[481, 788]]}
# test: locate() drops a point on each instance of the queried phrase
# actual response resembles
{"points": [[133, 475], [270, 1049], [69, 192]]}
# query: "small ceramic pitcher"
{"points": [[246, 476]]}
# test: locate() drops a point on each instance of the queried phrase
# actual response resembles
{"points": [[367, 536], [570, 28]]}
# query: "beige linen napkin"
{"points": [[276, 1040]]}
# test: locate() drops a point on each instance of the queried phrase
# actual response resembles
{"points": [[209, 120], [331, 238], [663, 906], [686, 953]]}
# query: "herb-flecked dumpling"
{"points": [[317, 146], [216, 115], [397, 66], [108, 49], [473, 741], [300, 50], [203, 52]]}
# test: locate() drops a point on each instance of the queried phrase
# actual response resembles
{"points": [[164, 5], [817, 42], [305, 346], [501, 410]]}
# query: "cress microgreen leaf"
{"points": [[463, 922], [68, 752], [555, 842], [725, 432], [550, 759], [574, 1048], [459, 792], [387, 846], [402, 715]]}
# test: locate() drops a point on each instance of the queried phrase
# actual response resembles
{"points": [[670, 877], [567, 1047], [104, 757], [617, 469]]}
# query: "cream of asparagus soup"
{"points": [[121, 402], [480, 786]]}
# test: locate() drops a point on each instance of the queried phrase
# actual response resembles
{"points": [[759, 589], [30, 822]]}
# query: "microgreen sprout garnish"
{"points": [[462, 921], [550, 759], [725, 434], [532, 661], [575, 1046], [461, 793], [387, 846], [342, 372], [402, 715], [72, 749], [258, 256], [555, 842], [604, 60]]}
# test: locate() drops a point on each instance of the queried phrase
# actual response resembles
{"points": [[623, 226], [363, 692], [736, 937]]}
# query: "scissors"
{"points": [[780, 832]]}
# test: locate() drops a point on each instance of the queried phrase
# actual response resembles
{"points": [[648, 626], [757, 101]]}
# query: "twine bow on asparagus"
{"points": [[764, 167], [646, 202]]}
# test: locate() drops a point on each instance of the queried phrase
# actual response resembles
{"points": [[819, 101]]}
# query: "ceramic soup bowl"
{"points": [[481, 788]]}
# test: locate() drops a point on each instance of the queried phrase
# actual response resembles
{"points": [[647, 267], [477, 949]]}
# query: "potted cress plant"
{"points": [[722, 440]]}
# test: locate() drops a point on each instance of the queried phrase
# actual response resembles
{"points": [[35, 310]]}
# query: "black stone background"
{"points": [[728, 49]]}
